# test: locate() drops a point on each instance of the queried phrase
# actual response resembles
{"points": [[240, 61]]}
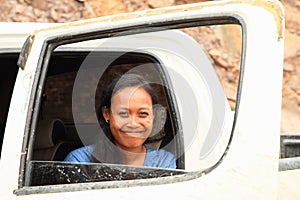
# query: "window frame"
{"points": [[51, 43]]}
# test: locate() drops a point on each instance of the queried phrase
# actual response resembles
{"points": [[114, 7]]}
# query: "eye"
{"points": [[123, 114], [143, 114]]}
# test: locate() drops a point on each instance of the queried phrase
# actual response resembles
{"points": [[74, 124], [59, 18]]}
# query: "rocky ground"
{"points": [[71, 10]]}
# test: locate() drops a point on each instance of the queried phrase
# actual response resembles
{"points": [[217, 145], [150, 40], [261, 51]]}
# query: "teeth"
{"points": [[134, 134]]}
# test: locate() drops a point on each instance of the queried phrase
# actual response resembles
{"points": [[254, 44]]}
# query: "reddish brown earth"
{"points": [[224, 59]]}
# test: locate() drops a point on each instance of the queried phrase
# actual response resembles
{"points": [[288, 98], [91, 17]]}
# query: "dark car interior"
{"points": [[57, 133], [9, 70]]}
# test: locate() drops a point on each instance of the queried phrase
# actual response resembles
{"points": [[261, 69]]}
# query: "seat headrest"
{"points": [[160, 118], [48, 133]]}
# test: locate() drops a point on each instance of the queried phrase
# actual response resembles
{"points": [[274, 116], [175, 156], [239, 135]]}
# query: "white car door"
{"points": [[221, 154]]}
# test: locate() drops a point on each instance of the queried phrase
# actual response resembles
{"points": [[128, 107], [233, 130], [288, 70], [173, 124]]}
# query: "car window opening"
{"points": [[56, 132]]}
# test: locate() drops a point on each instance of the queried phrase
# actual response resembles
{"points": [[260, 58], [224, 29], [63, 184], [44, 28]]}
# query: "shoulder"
{"points": [[160, 152], [159, 158], [83, 154]]}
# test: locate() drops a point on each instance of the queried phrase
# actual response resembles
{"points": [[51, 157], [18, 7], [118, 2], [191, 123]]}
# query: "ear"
{"points": [[106, 113]]}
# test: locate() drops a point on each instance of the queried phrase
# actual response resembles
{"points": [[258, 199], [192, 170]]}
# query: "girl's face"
{"points": [[130, 117]]}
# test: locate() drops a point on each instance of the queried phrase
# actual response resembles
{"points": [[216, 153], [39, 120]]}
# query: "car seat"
{"points": [[50, 141]]}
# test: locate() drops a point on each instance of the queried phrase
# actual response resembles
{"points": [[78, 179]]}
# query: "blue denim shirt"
{"points": [[154, 158]]}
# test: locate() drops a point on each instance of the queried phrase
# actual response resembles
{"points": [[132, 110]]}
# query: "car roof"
{"points": [[14, 34]]}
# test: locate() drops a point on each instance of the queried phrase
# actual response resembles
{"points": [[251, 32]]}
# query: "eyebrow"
{"points": [[142, 108]]}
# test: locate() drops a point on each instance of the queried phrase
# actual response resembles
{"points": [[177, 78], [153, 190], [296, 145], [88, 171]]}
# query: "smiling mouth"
{"points": [[137, 134]]}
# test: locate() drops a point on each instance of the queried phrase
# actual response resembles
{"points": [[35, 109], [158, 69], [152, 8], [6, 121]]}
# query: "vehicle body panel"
{"points": [[249, 170]]}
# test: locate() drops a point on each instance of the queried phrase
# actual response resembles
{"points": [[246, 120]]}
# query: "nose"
{"points": [[133, 121]]}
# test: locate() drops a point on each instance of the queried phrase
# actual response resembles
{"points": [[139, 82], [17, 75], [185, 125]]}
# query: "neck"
{"points": [[134, 157]]}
